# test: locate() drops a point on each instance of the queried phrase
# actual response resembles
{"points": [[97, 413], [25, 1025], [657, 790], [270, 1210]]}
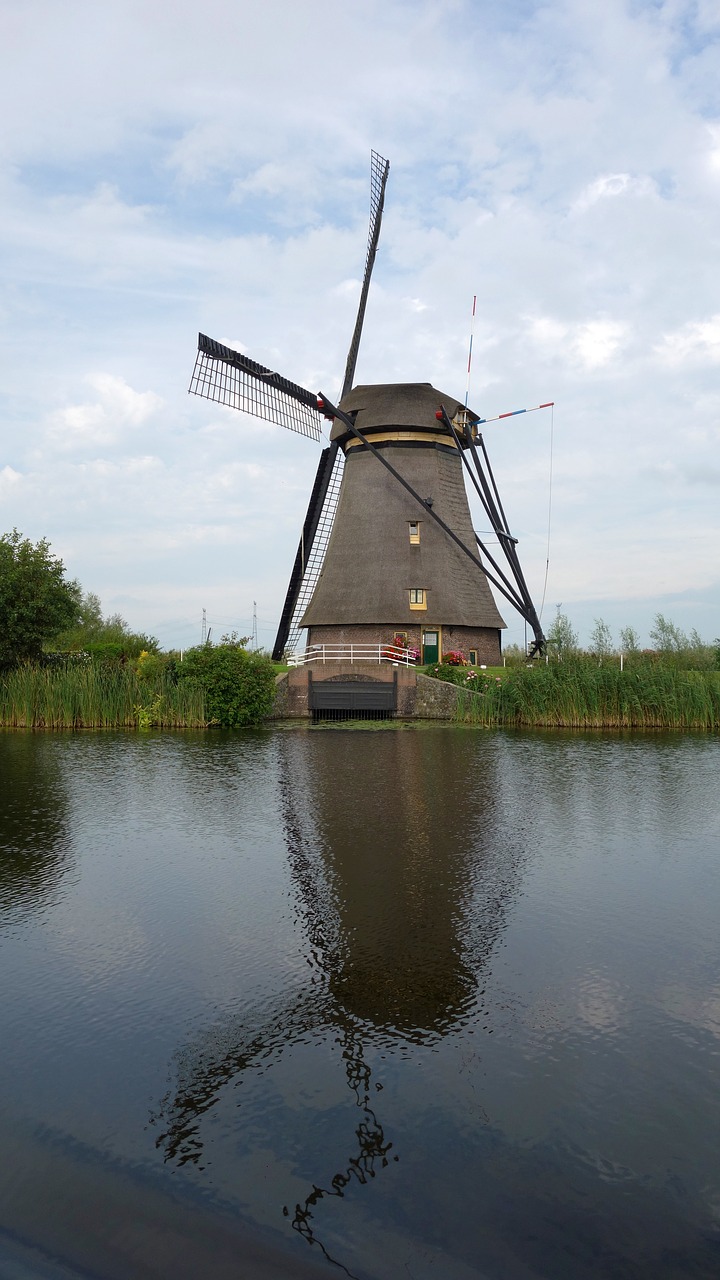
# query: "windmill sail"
{"points": [[311, 552], [379, 170], [323, 500], [229, 378]]}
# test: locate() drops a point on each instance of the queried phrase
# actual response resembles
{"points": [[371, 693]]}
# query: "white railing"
{"points": [[323, 653]]}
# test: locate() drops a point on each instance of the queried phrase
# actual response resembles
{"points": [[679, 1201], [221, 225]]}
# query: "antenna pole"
{"points": [[472, 326]]}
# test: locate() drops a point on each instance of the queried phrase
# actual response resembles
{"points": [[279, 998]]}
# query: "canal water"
{"points": [[384, 1002]]}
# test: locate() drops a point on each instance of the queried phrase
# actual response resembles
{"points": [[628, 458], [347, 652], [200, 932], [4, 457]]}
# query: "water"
{"points": [[425, 1002]]}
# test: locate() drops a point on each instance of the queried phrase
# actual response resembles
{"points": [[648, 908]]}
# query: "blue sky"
{"points": [[165, 170]]}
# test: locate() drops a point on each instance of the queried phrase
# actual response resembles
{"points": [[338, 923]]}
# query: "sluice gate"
{"points": [[352, 699]]}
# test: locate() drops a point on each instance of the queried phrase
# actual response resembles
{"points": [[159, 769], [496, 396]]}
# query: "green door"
{"points": [[430, 647]]}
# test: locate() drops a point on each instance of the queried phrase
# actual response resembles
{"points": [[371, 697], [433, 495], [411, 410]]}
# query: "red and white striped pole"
{"points": [[514, 412]]}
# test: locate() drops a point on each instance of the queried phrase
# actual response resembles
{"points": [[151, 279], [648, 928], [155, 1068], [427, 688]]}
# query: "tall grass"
{"points": [[96, 696], [584, 695]]}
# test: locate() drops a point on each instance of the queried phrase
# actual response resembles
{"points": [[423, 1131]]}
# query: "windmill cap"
{"points": [[387, 405]]}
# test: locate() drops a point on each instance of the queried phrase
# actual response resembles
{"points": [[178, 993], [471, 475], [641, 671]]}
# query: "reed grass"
{"points": [[584, 695], [96, 696]]}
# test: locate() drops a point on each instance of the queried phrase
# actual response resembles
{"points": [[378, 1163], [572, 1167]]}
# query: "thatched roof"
{"points": [[395, 404]]}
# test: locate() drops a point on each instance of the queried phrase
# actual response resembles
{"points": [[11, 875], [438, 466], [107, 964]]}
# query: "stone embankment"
{"points": [[415, 696]]}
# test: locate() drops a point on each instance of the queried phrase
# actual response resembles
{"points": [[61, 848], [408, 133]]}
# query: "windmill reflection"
{"points": [[401, 879]]}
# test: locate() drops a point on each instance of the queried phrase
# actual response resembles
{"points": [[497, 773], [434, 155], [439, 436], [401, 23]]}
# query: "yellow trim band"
{"points": [[426, 437]]}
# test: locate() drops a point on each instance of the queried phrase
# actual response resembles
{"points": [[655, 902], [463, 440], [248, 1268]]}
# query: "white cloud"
{"points": [[597, 342], [714, 148], [106, 420], [592, 344], [9, 477], [696, 343], [610, 185]]}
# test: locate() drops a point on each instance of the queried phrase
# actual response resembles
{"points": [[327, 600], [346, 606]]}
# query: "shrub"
{"points": [[153, 668], [105, 651], [105, 639], [238, 686], [466, 678]]}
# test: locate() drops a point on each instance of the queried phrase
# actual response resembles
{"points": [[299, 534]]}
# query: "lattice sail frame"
{"points": [[229, 378], [316, 554], [379, 170]]}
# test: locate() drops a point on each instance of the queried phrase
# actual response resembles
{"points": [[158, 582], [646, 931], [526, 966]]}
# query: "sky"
{"points": [[166, 169]]}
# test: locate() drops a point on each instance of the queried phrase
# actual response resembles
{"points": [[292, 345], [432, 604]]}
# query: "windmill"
{"points": [[388, 550]]}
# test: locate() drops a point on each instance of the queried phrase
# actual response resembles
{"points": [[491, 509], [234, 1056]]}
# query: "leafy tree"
{"points": [[666, 637], [701, 656], [629, 640], [680, 650], [102, 637], [239, 687], [601, 645], [36, 599], [562, 639]]}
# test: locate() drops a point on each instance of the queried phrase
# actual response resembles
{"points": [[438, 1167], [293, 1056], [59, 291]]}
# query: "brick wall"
{"points": [[485, 640]]}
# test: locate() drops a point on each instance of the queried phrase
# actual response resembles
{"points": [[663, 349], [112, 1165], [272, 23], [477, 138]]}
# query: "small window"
{"points": [[414, 527], [417, 598]]}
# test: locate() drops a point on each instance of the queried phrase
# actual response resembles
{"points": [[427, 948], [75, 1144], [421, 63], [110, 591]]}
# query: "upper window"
{"points": [[414, 528], [417, 598]]}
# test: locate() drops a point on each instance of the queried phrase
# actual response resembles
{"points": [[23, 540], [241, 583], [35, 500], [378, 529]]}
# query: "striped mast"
{"points": [[470, 347], [549, 404]]}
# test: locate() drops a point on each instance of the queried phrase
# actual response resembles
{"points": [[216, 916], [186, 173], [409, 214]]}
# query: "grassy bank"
{"points": [[97, 696], [585, 695]]}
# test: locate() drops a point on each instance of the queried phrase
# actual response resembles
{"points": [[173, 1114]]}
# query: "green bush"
{"points": [[104, 651], [155, 668], [238, 686], [466, 677]]}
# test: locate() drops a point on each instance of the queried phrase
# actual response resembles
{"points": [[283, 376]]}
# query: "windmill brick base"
{"points": [[482, 642]]}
